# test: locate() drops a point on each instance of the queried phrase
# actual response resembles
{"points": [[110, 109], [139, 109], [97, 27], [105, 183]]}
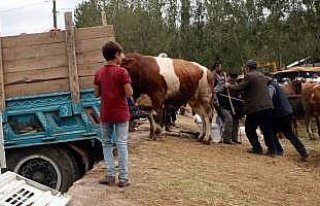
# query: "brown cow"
{"points": [[292, 89], [299, 95], [174, 82]]}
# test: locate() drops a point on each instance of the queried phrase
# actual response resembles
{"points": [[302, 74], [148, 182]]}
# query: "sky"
{"points": [[32, 16]]}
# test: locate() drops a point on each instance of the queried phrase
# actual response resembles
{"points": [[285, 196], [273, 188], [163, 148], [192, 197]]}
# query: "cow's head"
{"points": [[297, 86], [131, 61]]}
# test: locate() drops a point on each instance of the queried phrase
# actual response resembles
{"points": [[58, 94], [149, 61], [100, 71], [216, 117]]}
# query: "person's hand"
{"points": [[227, 85]]}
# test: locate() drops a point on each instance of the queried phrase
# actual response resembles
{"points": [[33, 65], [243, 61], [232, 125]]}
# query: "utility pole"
{"points": [[54, 11]]}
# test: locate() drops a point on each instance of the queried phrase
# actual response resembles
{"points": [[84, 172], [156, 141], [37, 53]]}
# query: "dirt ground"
{"points": [[182, 171]]}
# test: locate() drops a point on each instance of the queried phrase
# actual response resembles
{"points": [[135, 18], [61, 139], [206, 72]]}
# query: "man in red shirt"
{"points": [[113, 85]]}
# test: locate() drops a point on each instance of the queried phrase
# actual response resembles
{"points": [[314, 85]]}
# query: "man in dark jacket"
{"points": [[282, 118], [258, 108], [231, 111]]}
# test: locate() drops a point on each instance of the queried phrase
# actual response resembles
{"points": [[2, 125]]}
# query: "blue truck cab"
{"points": [[51, 140]]}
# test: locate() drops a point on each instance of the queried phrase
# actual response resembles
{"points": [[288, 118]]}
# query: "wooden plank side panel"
{"points": [[86, 82], [35, 63], [94, 32], [87, 45], [36, 75], [90, 57], [34, 51], [38, 63], [34, 39], [42, 87], [89, 69]]}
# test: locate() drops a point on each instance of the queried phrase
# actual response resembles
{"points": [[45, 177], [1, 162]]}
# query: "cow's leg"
{"points": [[204, 126], [155, 128], [207, 137], [318, 125], [155, 116], [205, 134], [152, 125], [308, 121]]}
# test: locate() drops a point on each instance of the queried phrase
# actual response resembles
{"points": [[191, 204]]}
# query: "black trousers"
{"points": [[283, 124], [263, 119]]}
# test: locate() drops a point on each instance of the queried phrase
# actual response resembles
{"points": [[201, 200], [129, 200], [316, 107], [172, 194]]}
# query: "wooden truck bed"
{"points": [[56, 61]]}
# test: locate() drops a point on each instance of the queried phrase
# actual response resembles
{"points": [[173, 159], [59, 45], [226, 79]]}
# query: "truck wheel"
{"points": [[51, 166]]}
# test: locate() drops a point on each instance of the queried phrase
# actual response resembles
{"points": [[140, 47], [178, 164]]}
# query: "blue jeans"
{"points": [[120, 130]]}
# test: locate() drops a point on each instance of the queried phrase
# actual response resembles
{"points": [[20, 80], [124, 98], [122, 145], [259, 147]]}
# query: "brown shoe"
{"points": [[304, 157], [124, 183], [108, 180]]}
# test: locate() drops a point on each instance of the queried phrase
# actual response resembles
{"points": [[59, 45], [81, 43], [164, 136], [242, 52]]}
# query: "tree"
{"points": [[229, 31], [87, 14]]}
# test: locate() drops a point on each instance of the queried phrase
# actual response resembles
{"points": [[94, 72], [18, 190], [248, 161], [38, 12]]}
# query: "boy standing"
{"points": [[113, 85]]}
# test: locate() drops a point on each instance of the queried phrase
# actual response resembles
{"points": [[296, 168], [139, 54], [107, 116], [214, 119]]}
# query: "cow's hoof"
{"points": [[152, 138], [207, 142]]}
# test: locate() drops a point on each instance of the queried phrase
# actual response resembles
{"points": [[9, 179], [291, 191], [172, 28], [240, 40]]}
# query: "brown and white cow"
{"points": [[174, 82]]}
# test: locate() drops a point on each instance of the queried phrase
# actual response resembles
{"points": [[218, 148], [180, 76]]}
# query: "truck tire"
{"points": [[51, 166]]}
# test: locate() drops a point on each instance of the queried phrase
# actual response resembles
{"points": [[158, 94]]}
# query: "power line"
{"points": [[25, 6]]}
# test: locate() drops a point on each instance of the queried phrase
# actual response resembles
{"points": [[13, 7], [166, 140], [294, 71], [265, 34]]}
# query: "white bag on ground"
{"points": [[197, 120], [215, 130]]}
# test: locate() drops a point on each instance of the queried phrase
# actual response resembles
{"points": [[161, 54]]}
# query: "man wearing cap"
{"points": [[258, 108]]}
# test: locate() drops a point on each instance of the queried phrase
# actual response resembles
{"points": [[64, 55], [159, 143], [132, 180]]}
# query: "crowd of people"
{"points": [[256, 96], [261, 99]]}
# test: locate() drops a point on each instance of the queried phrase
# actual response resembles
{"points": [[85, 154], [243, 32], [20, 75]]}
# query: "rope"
{"points": [[237, 99]]}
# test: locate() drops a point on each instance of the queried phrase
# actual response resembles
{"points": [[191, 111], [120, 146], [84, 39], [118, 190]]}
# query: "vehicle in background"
{"points": [[266, 67], [308, 73]]}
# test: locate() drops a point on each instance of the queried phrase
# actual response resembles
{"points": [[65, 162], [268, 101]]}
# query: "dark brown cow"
{"points": [[171, 81]]}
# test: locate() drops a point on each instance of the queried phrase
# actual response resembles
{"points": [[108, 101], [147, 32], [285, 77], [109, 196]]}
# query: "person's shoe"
{"points": [[254, 151], [279, 153], [304, 157], [237, 142], [108, 180], [271, 154], [227, 142], [123, 183], [169, 128]]}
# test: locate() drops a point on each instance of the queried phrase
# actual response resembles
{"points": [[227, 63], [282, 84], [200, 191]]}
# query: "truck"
{"points": [[267, 67], [49, 111]]}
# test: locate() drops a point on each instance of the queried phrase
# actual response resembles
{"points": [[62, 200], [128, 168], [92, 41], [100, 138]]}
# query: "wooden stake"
{"points": [[2, 92], [72, 59], [2, 151], [229, 96]]}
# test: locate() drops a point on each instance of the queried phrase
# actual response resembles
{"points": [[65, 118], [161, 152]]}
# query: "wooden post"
{"points": [[104, 18], [72, 59], [2, 106], [3, 164], [2, 92]]}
